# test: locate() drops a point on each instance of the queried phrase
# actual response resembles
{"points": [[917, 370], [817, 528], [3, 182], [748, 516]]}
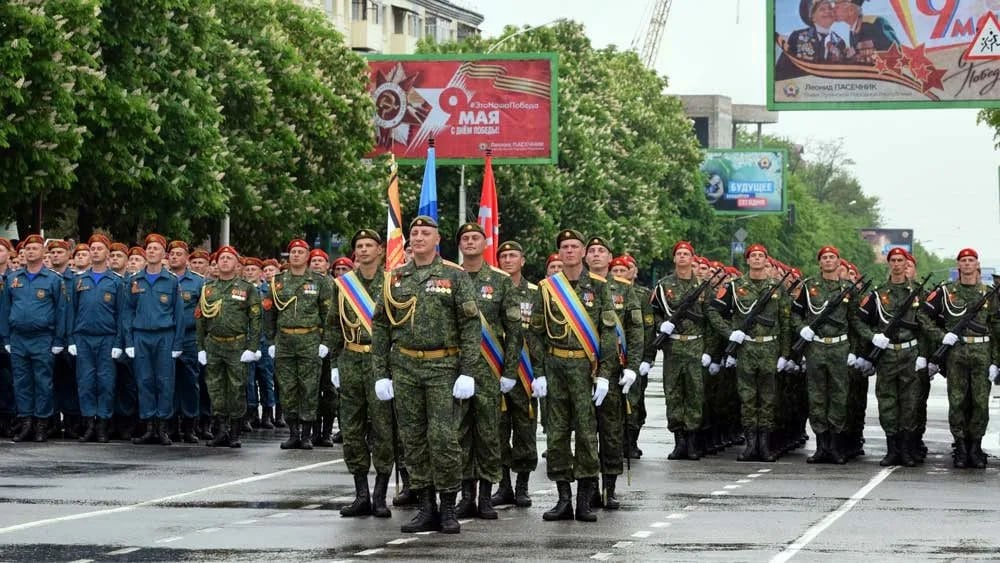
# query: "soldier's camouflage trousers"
{"points": [[363, 415], [571, 409], [479, 430]]}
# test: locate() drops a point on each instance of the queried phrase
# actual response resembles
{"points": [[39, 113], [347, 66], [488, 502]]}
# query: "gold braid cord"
{"points": [[350, 329], [547, 302], [278, 304], [209, 310], [409, 305]]}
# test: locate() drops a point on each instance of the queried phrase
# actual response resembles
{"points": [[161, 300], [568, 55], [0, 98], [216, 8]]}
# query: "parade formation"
{"points": [[443, 371]]}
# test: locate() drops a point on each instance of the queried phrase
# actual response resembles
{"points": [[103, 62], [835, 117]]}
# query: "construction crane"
{"points": [[650, 32]]}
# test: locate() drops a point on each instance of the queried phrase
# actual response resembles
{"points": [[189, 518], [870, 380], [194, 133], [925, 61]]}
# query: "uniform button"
{"points": [[420, 353]]}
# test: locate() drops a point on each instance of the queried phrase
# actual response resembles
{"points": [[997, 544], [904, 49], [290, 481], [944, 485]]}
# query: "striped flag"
{"points": [[394, 240], [489, 213], [428, 190]]}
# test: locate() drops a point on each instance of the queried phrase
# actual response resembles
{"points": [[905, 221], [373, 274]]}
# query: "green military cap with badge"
{"points": [[423, 221], [469, 228], [569, 234], [363, 234], [598, 241], [510, 246]]}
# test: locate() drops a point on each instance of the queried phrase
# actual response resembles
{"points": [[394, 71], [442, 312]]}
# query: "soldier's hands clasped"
{"points": [[807, 333], [949, 339], [737, 336], [880, 340], [667, 327]]}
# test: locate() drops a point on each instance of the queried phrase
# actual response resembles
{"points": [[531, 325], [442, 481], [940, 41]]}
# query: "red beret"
{"points": [[619, 261], [716, 264], [552, 258], [828, 249], [98, 237], [703, 260], [297, 243], [683, 244], [911, 258], [118, 247], [852, 267], [845, 263], [199, 253], [178, 244], [63, 244], [319, 252], [229, 250], [251, 261], [272, 262], [756, 247], [797, 272], [897, 251], [137, 251], [630, 259], [343, 261], [153, 237], [967, 252], [81, 247], [733, 271], [6, 243], [31, 239]]}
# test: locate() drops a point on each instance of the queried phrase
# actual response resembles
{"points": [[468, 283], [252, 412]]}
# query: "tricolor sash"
{"points": [[526, 372], [572, 309], [622, 347], [492, 352], [354, 292]]}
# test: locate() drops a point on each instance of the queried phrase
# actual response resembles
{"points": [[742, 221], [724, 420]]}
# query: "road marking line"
{"points": [[642, 534], [123, 551], [466, 521], [345, 498], [208, 530], [311, 506], [247, 521], [690, 507], [400, 541], [542, 492], [754, 475], [601, 556], [424, 533], [744, 481], [677, 516], [168, 540], [82, 561], [763, 471], [161, 500], [730, 487], [825, 523], [719, 493], [660, 525], [279, 515], [704, 500], [371, 551]]}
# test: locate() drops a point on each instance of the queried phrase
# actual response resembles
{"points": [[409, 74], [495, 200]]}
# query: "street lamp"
{"points": [[522, 31]]}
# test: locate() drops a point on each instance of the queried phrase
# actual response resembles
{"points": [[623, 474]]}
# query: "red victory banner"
{"points": [[505, 102]]}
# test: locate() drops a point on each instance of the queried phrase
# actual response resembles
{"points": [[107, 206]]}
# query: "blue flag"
{"points": [[429, 191]]}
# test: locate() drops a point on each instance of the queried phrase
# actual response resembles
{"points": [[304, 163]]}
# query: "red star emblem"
{"points": [[921, 73], [880, 64], [934, 79], [915, 57], [891, 58]]}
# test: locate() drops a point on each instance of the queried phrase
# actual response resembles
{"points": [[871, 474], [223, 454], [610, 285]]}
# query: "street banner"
{"points": [[466, 103], [882, 54], [745, 181], [884, 240]]}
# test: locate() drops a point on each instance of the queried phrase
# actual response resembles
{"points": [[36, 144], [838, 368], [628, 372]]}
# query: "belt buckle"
{"points": [[420, 354], [827, 340], [367, 348]]}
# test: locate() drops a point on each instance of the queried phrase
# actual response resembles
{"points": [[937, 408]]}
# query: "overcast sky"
{"points": [[936, 171]]}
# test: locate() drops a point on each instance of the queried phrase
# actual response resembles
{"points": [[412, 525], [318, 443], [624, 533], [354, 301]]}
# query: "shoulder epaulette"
{"points": [[532, 286], [623, 280], [451, 264], [112, 272], [499, 271], [594, 276], [171, 273], [202, 276]]}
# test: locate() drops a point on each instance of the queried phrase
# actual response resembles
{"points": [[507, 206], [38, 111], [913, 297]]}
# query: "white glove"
{"points": [[57, 350], [920, 364], [335, 377], [176, 354], [383, 389], [994, 372], [949, 339], [933, 369], [71, 349], [116, 353], [713, 369], [464, 387], [270, 351], [865, 366], [730, 362], [705, 360], [323, 350], [791, 367], [600, 390], [880, 340], [203, 357], [6, 348], [782, 363], [644, 368], [130, 352], [667, 327], [737, 336], [539, 387], [807, 333], [256, 355], [506, 384], [246, 357], [627, 379], [852, 360]]}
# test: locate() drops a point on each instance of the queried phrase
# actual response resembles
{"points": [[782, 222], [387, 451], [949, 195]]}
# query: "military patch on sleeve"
{"points": [[267, 304], [609, 318], [648, 319], [637, 317], [721, 292], [470, 309], [514, 313]]}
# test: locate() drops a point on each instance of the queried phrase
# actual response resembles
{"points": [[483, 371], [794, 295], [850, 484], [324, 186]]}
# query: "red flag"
{"points": [[394, 241], [489, 213]]}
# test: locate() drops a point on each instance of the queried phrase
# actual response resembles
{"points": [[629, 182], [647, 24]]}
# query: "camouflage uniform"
{"points": [[637, 395]]}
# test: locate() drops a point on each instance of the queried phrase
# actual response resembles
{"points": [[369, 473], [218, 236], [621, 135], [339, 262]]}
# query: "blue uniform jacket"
{"points": [[34, 306], [96, 308], [190, 284], [153, 307]]}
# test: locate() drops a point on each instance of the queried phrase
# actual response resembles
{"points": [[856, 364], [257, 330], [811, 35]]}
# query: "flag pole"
{"points": [[461, 204]]}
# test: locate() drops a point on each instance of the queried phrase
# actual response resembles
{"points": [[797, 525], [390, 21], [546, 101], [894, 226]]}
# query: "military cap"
{"points": [[118, 247], [796, 272], [178, 244], [423, 221], [967, 252], [137, 251], [55, 243], [756, 247], [297, 243], [509, 246], [272, 262], [227, 250], [98, 237], [81, 248], [469, 228], [683, 244], [828, 250], [630, 260], [252, 261], [32, 239], [598, 241], [319, 252], [569, 234], [897, 251], [619, 261], [554, 257], [199, 253], [153, 237], [343, 261], [6, 243], [363, 234]]}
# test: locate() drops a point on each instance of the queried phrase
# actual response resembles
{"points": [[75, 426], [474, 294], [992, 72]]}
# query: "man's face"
{"points": [[424, 240], [251, 272], [198, 265], [824, 15], [620, 271], [226, 264], [897, 265], [757, 260], [704, 271], [340, 269], [81, 260], [968, 265], [842, 272], [59, 257], [633, 271], [155, 253], [98, 253], [4, 255], [682, 258], [846, 11], [33, 253], [571, 252], [911, 270], [270, 271], [298, 257], [554, 267], [319, 265], [511, 261], [367, 251], [829, 262], [213, 268], [177, 259], [136, 262], [472, 244], [117, 260], [598, 257]]}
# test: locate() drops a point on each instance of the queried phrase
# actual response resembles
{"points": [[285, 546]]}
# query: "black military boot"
{"points": [[449, 520], [959, 454], [467, 504], [977, 457], [680, 447], [267, 422], [892, 454], [164, 437], [26, 431], [337, 438], [71, 427], [379, 508], [764, 452], [187, 431], [404, 496], [204, 429], [904, 443], [248, 416], [279, 418], [101, 430], [610, 498], [563, 510], [42, 430], [505, 493], [584, 490], [90, 434], [306, 441], [172, 428], [253, 417], [221, 437], [485, 510], [148, 435], [749, 452], [325, 429], [693, 449], [235, 428], [294, 435], [837, 442], [362, 505], [425, 520], [820, 455], [521, 497]]}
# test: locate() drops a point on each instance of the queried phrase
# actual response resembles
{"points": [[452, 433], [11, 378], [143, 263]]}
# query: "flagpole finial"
{"points": [[430, 143]]}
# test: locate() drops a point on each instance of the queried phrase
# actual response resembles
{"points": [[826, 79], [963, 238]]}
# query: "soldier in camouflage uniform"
{"points": [[296, 313], [625, 267], [519, 424], [363, 416], [612, 413], [228, 321], [582, 363], [425, 342], [923, 377], [329, 397], [761, 353], [971, 362]]}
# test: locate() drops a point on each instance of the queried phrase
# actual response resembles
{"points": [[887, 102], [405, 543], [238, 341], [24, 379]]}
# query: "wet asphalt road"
{"points": [[64, 501]]}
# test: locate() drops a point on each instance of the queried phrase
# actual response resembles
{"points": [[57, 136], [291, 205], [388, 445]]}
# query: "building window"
{"points": [[415, 25], [359, 9], [430, 27], [398, 20], [375, 11]]}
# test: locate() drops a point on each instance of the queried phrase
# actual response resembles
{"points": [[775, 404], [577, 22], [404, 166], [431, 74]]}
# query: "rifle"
{"points": [[959, 329], [829, 308], [795, 284], [752, 317], [892, 328], [684, 309]]}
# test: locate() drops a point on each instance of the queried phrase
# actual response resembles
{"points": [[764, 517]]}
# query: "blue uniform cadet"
{"points": [[97, 300], [154, 337], [187, 388], [7, 409], [33, 319]]}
